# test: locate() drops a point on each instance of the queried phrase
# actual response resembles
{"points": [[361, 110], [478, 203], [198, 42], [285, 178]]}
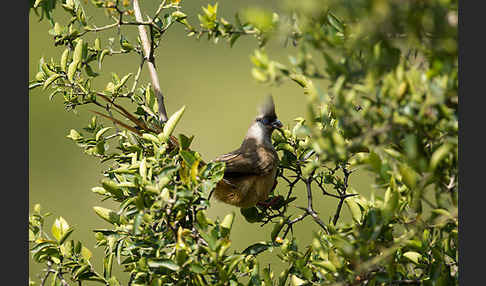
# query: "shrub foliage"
{"points": [[381, 88]]}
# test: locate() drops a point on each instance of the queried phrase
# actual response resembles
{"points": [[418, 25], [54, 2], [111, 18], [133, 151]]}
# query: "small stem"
{"points": [[161, 7], [100, 28], [44, 279], [137, 76], [291, 223]]}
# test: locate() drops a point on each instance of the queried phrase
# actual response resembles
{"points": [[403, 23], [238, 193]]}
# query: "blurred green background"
{"points": [[221, 98]]}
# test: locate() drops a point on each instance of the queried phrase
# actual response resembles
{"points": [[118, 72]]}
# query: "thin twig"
{"points": [[137, 76], [292, 222], [44, 279]]}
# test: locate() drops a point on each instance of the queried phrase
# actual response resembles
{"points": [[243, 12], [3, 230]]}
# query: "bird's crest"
{"points": [[267, 109]]}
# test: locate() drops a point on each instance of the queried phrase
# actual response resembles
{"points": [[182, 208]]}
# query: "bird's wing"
{"points": [[253, 161]]}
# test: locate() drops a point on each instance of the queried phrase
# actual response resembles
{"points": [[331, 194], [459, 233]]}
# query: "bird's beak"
{"points": [[277, 124]]}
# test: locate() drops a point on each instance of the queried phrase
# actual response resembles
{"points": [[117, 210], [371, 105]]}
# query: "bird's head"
{"points": [[267, 116]]}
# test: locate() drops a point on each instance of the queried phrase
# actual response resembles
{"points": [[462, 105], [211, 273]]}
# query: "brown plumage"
{"points": [[251, 170]]}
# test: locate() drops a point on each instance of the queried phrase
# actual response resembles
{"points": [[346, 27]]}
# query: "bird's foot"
{"points": [[270, 203]]}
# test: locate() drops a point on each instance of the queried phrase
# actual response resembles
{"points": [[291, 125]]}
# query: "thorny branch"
{"points": [[319, 179]]}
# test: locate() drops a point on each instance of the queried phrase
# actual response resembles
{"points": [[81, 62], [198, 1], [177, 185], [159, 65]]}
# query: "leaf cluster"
{"points": [[380, 79]]}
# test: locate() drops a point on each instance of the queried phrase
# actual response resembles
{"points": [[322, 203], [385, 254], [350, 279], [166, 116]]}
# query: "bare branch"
{"points": [[150, 62]]}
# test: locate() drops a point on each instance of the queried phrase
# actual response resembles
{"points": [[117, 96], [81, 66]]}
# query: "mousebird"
{"points": [[251, 170]]}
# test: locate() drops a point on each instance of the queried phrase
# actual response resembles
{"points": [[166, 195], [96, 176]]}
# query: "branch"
{"points": [[342, 192], [310, 209], [44, 279], [338, 211], [150, 62]]}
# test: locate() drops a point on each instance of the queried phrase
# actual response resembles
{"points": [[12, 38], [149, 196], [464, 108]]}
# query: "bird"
{"points": [[251, 170]]}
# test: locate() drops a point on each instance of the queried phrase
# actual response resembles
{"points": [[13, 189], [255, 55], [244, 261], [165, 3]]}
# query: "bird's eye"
{"points": [[267, 121]]}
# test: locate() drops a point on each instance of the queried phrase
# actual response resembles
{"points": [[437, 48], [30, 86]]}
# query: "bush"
{"points": [[385, 100]]}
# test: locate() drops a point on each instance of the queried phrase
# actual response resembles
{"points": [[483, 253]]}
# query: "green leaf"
{"points": [[112, 188], [101, 57], [256, 248], [97, 44], [178, 15], [390, 204], [137, 222], [31, 236], [276, 229], [258, 75], [125, 44], [282, 279], [66, 235], [101, 132], [202, 219], [86, 253], [196, 268], [113, 281], [413, 256], [78, 52], [233, 39], [37, 208], [150, 137], [89, 71], [163, 263], [64, 59], [80, 271], [439, 155], [188, 157], [72, 70], [296, 281], [171, 124], [74, 135], [325, 264], [227, 222], [210, 239], [143, 168], [59, 228], [184, 141], [50, 80], [409, 176], [57, 29], [99, 190], [354, 209], [37, 3], [123, 81], [374, 161], [107, 214], [335, 22]]}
